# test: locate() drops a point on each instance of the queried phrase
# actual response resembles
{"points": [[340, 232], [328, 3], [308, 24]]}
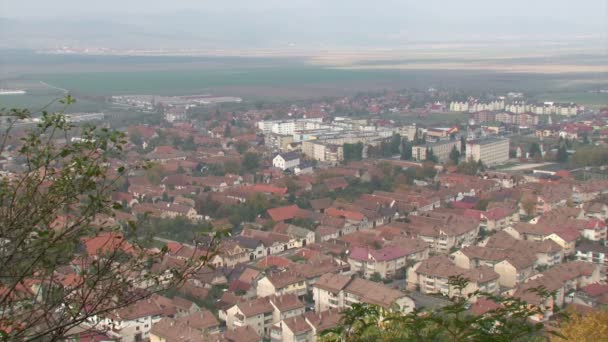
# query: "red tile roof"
{"points": [[265, 188], [106, 243], [349, 215], [383, 254], [595, 290], [283, 213]]}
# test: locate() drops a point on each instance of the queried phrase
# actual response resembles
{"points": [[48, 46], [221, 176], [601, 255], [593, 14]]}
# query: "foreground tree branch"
{"points": [[63, 258]]}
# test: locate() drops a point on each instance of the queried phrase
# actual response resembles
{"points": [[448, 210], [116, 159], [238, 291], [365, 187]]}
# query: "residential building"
{"points": [[443, 232], [441, 150], [197, 326], [336, 291], [432, 276], [286, 161], [134, 322], [306, 327], [261, 313], [387, 261], [281, 283], [592, 252], [492, 151]]}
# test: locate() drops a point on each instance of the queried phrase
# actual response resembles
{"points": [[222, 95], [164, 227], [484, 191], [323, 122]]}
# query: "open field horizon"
{"points": [[567, 77]]}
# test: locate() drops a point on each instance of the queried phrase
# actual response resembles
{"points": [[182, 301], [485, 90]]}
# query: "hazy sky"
{"points": [[575, 11], [305, 22]]}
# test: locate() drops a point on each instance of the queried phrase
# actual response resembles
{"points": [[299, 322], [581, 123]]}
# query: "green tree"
{"points": [[395, 144], [227, 131], [430, 155], [406, 150], [376, 277], [470, 167], [189, 144], [535, 151], [482, 204], [251, 162], [47, 211], [454, 156], [241, 146], [353, 151], [562, 154], [463, 145]]}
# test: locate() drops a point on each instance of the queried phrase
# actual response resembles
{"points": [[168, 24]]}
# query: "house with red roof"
{"points": [[265, 189], [107, 243], [592, 295], [346, 214], [288, 213]]}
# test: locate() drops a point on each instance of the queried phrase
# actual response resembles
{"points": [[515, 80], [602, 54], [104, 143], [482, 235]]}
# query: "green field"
{"points": [[269, 79]]}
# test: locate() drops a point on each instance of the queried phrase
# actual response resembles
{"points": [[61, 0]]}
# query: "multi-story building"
{"points": [[278, 142], [261, 313], [387, 261], [520, 119], [433, 275], [335, 291], [592, 252], [323, 151], [492, 151], [441, 150], [281, 283]]}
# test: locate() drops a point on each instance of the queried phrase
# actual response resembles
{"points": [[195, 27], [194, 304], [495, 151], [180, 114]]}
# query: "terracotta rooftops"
{"points": [[332, 282]]}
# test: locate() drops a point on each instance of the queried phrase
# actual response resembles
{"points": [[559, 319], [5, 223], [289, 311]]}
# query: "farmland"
{"points": [[270, 78]]}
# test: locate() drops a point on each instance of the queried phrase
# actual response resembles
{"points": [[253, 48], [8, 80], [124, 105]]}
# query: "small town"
{"points": [[303, 171], [325, 209]]}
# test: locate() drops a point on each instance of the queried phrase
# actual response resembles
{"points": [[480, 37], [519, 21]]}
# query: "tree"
{"points": [[251, 161], [529, 206], [510, 321], [376, 277], [154, 175], [470, 167], [591, 326], [189, 144], [135, 138], [48, 212], [353, 151], [395, 144], [454, 155], [241, 146], [562, 154], [463, 145], [586, 138], [227, 131], [406, 150], [535, 151], [482, 204], [430, 155]]}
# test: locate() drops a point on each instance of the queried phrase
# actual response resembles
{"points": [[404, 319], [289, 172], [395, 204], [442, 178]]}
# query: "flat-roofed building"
{"points": [[441, 150], [493, 151]]}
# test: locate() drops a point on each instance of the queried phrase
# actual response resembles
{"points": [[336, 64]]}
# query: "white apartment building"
{"points": [[493, 151]]}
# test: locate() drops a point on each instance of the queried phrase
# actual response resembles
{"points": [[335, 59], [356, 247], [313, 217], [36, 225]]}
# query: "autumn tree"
{"points": [[592, 326], [52, 278]]}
